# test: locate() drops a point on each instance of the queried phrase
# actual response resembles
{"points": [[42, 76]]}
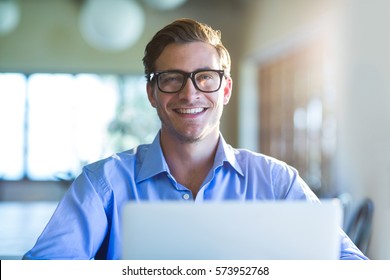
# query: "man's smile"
{"points": [[190, 111]]}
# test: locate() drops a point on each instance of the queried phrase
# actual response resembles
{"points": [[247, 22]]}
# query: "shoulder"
{"points": [[127, 159], [283, 179], [114, 174], [115, 171], [255, 160]]}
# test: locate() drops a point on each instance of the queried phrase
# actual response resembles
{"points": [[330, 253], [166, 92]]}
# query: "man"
{"points": [[188, 73]]}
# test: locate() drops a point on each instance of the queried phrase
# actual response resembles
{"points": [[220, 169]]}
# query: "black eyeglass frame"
{"points": [[154, 76]]}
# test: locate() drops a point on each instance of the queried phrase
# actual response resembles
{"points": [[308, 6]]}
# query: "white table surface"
{"points": [[20, 225]]}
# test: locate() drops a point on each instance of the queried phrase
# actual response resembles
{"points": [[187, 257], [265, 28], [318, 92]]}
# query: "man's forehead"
{"points": [[188, 57]]}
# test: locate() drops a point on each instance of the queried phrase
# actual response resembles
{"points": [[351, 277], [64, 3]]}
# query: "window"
{"points": [[12, 111], [53, 124]]}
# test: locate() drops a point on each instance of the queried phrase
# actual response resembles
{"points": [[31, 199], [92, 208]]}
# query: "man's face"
{"points": [[189, 115]]}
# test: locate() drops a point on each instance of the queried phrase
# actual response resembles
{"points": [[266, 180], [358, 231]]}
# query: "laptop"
{"points": [[267, 230]]}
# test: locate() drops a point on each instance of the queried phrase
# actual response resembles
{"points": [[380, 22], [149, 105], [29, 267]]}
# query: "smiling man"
{"points": [[188, 82], [189, 89]]}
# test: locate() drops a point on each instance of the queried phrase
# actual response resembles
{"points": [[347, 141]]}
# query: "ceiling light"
{"points": [[165, 4], [9, 16], [111, 25]]}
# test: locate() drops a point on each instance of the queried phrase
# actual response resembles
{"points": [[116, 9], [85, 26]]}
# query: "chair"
{"points": [[346, 204], [360, 225]]}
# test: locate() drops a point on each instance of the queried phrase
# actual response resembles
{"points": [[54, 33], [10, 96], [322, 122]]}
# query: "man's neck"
{"points": [[189, 162]]}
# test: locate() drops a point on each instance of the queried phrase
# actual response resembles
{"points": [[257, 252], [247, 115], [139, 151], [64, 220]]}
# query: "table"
{"points": [[20, 225]]}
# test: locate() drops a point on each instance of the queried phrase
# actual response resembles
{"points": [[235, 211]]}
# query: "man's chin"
{"points": [[189, 139], [186, 138]]}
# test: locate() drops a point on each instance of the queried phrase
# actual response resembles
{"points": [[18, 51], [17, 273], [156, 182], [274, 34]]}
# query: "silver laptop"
{"points": [[271, 230]]}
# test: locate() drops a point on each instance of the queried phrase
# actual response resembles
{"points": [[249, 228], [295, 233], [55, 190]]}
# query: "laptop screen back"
{"points": [[232, 230]]}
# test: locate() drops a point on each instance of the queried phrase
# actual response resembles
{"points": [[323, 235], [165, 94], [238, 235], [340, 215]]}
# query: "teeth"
{"points": [[190, 111]]}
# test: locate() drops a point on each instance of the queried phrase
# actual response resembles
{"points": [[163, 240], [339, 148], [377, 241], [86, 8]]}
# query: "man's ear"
{"points": [[151, 97], [227, 91]]}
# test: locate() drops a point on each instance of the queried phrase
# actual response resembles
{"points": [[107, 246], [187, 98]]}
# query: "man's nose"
{"points": [[189, 90]]}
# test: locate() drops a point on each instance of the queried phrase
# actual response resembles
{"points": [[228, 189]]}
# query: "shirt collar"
{"points": [[152, 161], [226, 153]]}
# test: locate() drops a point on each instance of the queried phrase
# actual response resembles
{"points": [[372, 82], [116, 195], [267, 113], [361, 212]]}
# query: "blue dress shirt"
{"points": [[86, 223]]}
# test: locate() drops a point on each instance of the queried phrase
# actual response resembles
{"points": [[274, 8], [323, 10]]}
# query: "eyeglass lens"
{"points": [[207, 81]]}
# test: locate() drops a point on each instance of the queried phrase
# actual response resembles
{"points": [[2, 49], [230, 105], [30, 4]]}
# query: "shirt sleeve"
{"points": [[77, 228], [349, 250], [298, 189]]}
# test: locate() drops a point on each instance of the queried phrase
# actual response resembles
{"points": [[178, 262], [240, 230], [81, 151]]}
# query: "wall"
{"points": [[364, 135], [359, 34], [32, 190]]}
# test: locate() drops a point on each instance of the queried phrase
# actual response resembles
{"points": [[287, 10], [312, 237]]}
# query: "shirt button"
{"points": [[186, 196]]}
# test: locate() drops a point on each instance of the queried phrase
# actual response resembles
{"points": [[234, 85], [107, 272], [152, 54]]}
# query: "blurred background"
{"points": [[311, 87]]}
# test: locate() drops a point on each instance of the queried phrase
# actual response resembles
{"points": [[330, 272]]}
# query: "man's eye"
{"points": [[206, 77], [170, 79]]}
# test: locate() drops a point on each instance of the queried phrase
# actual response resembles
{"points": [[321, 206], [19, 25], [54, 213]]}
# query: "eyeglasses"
{"points": [[174, 81]]}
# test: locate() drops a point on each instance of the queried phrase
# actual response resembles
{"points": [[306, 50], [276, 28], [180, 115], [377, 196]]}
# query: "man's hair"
{"points": [[184, 31]]}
